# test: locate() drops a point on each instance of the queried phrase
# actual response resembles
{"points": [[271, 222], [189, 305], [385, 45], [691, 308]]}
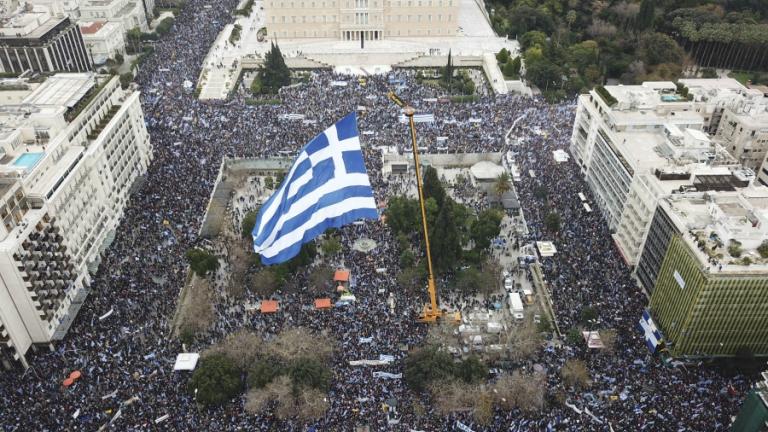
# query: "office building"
{"points": [[706, 257], [70, 152], [753, 416], [633, 149], [103, 39], [356, 19], [39, 42], [129, 14]]}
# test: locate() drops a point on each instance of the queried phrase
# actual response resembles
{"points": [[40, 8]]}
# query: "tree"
{"points": [[502, 56], [763, 249], [319, 279], [216, 380], [583, 54], [552, 222], [165, 26], [502, 184], [274, 73], [242, 347], [265, 283], [523, 391], [511, 69], [426, 365], [544, 73], [297, 343], [523, 342], [445, 240], [403, 215], [473, 280], [308, 372], [407, 258], [249, 221], [587, 314], [533, 39], [447, 77], [134, 37], [708, 73], [646, 15], [575, 373], [330, 246], [472, 370], [119, 59], [433, 188], [486, 227], [201, 261], [658, 48], [126, 79]]}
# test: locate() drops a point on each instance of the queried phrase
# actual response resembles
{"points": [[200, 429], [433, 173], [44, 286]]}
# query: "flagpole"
{"points": [[431, 312]]}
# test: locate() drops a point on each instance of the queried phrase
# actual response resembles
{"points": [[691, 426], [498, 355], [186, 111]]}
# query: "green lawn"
{"points": [[741, 76]]}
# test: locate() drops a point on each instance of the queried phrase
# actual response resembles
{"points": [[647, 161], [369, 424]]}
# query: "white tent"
{"points": [[186, 361]]}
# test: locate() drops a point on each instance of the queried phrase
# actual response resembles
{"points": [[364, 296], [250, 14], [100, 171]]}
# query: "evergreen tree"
{"points": [[448, 72], [646, 15], [445, 240], [274, 74], [432, 186]]}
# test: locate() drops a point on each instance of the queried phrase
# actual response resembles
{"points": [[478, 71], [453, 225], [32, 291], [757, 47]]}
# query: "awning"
{"points": [[322, 303], [269, 306], [341, 276]]}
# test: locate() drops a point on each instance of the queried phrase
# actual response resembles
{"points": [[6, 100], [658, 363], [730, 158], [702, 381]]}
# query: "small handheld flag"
{"points": [[327, 187]]}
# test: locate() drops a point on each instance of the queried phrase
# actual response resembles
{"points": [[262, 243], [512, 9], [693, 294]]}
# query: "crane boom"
{"points": [[431, 311]]}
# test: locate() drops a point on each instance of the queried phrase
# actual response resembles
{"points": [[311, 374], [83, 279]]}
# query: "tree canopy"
{"points": [[274, 73], [216, 379]]}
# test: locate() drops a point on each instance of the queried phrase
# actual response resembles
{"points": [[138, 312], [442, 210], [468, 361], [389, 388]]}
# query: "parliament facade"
{"points": [[361, 19]]}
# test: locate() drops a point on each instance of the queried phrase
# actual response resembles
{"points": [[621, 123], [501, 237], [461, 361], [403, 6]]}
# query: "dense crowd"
{"points": [[127, 358]]}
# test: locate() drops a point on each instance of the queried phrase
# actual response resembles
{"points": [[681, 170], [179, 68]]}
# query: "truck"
{"points": [[516, 306]]}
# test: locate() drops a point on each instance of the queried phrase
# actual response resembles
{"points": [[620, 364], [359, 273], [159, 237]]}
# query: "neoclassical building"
{"points": [[361, 19]]}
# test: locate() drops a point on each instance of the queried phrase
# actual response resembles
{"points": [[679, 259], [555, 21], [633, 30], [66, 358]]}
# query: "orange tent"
{"points": [[322, 303], [68, 382], [341, 276], [268, 306], [75, 375]]}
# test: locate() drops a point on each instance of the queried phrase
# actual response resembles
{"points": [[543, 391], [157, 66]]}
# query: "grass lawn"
{"points": [[741, 76]]}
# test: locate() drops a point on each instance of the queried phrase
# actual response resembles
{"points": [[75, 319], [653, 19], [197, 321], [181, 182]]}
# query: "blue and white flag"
{"points": [[651, 333], [327, 187]]}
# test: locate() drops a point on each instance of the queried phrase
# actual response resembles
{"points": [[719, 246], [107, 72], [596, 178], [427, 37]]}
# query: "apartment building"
{"points": [[37, 41], [361, 19], [129, 14], [737, 116], [69, 154], [711, 279], [631, 157], [103, 39]]}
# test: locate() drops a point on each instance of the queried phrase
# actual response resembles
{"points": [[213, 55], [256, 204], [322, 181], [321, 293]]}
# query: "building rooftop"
{"points": [[92, 27], [724, 229], [29, 24], [29, 130], [64, 89]]}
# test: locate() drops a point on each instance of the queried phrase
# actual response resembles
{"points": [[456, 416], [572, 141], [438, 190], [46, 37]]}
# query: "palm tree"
{"points": [[502, 184]]}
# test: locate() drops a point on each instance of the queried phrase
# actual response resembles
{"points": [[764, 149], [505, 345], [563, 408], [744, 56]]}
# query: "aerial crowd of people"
{"points": [[126, 359]]}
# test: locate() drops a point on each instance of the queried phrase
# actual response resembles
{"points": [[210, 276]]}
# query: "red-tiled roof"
{"points": [[92, 28]]}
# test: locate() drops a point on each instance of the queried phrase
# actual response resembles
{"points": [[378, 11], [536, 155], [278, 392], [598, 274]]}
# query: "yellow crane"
{"points": [[431, 312]]}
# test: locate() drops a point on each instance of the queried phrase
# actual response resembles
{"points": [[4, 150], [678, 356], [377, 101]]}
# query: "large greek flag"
{"points": [[327, 187], [651, 333]]}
